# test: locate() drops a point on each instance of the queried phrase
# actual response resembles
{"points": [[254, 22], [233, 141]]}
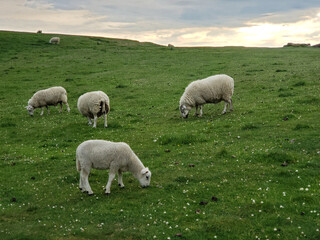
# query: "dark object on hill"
{"points": [[297, 45], [203, 203], [317, 45], [284, 164]]}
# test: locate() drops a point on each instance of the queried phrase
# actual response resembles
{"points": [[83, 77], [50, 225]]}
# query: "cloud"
{"points": [[180, 22]]}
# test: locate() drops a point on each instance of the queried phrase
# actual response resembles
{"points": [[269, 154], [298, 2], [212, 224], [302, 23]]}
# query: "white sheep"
{"points": [[118, 157], [54, 40], [48, 97], [213, 89], [93, 105]]}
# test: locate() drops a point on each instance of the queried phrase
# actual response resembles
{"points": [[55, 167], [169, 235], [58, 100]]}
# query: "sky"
{"points": [[250, 23]]}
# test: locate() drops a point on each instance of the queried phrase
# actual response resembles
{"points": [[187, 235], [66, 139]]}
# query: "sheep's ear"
{"points": [[144, 171]]}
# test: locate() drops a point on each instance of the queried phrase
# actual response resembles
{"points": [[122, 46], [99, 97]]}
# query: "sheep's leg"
{"points": [[230, 105], [120, 179], [196, 113], [68, 109], [81, 187], [42, 110], [48, 110], [60, 108], [111, 177], [95, 120], [225, 107], [84, 175], [200, 115], [105, 120], [89, 121]]}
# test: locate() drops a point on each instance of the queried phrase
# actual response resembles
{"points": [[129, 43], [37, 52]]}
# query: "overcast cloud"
{"points": [[179, 22]]}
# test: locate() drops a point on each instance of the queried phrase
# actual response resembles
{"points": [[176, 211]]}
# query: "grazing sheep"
{"points": [[118, 157], [54, 40], [39, 31], [92, 105], [213, 89], [170, 46], [48, 97]]}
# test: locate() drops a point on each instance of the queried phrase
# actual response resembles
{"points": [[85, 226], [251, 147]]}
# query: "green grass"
{"points": [[237, 157]]}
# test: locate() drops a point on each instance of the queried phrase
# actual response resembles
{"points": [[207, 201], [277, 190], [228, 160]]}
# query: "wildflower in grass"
{"points": [[284, 194]]}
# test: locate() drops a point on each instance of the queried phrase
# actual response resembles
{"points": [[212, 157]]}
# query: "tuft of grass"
{"points": [[286, 94], [249, 126], [299, 84], [180, 139], [276, 157], [300, 126]]}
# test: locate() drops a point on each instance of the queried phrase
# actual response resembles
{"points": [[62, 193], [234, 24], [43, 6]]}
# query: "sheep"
{"points": [[92, 105], [48, 97], [213, 89], [54, 40], [118, 157]]}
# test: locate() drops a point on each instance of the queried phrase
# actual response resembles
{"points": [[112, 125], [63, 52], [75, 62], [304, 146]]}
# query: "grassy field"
{"points": [[250, 174]]}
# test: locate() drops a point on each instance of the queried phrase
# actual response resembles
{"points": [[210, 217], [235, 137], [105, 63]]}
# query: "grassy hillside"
{"points": [[249, 174]]}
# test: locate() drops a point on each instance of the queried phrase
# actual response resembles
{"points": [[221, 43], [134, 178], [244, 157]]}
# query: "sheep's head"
{"points": [[30, 110], [145, 177], [184, 110]]}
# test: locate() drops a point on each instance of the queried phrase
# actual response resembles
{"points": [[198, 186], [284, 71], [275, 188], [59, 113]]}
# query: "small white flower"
{"points": [[284, 194]]}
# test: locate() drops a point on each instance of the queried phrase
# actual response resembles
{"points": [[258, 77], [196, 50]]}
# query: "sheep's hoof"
{"points": [[80, 188], [90, 194], [107, 194], [122, 186]]}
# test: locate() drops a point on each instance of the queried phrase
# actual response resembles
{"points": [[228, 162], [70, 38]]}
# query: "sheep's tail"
{"points": [[104, 106], [78, 165]]}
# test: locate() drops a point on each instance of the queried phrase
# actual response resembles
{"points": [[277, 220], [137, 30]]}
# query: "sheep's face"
{"points": [[30, 110], [145, 177], [184, 111]]}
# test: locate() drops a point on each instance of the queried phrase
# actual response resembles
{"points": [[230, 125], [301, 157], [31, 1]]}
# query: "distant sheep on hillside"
{"points": [[94, 104], [48, 97], [213, 89], [54, 40]]}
